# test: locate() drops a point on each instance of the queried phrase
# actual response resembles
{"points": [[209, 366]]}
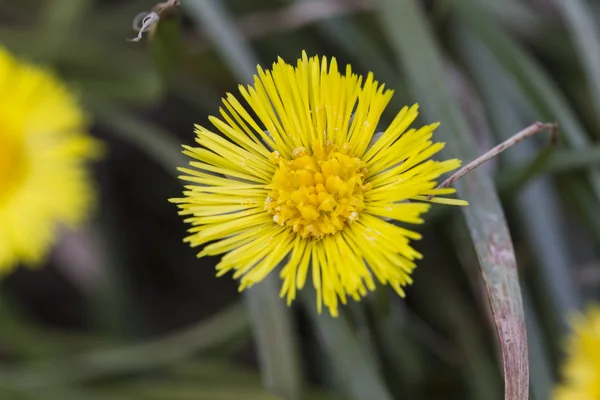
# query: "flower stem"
{"points": [[531, 130]]}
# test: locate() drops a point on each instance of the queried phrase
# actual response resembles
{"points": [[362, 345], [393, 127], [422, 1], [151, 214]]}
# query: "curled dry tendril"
{"points": [[144, 21]]}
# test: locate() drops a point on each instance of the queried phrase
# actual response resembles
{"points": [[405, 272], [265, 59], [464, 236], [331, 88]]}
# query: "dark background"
{"points": [[124, 310]]}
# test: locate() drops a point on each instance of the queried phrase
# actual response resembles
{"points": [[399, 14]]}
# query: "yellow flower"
{"points": [[302, 184], [43, 146], [581, 372]]}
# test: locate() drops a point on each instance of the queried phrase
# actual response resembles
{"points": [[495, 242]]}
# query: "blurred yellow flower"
{"points": [[581, 371], [306, 184], [43, 148]]}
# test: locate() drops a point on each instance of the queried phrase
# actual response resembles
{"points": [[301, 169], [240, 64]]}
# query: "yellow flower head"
{"points": [[43, 147], [302, 183], [581, 372]]}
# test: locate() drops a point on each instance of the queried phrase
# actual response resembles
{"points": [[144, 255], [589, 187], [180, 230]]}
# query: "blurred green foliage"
{"points": [[123, 310]]}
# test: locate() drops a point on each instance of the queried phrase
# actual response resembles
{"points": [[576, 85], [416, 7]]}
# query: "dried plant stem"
{"points": [[531, 130], [166, 6], [147, 21]]}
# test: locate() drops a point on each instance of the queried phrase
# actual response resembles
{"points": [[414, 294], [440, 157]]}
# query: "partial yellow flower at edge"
{"points": [[301, 186], [43, 151], [580, 373]]}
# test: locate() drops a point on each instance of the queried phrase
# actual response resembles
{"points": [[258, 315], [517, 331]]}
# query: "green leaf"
{"points": [[421, 58], [512, 180], [399, 348], [194, 391], [548, 161], [542, 378], [450, 305], [275, 337], [166, 45], [139, 357], [271, 320], [60, 19], [538, 207], [579, 17], [355, 368], [532, 79], [147, 137]]}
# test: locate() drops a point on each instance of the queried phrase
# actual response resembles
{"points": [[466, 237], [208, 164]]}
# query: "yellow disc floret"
{"points": [[317, 193]]}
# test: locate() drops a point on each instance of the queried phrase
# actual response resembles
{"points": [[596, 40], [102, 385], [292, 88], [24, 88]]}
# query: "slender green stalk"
{"points": [[538, 206], [355, 368], [417, 51], [542, 92], [586, 36], [136, 358], [271, 320]]}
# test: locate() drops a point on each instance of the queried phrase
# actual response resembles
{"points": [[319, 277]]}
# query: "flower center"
{"points": [[10, 159], [317, 194]]}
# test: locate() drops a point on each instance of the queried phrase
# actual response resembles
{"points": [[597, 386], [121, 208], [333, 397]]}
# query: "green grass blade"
{"points": [[538, 206], [275, 338], [357, 45], [542, 379], [215, 22], [355, 369], [60, 18], [587, 205], [136, 358], [264, 305], [398, 345], [25, 339], [585, 34], [480, 375], [545, 96], [566, 160], [418, 53], [547, 161], [158, 144], [271, 319], [194, 391]]}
